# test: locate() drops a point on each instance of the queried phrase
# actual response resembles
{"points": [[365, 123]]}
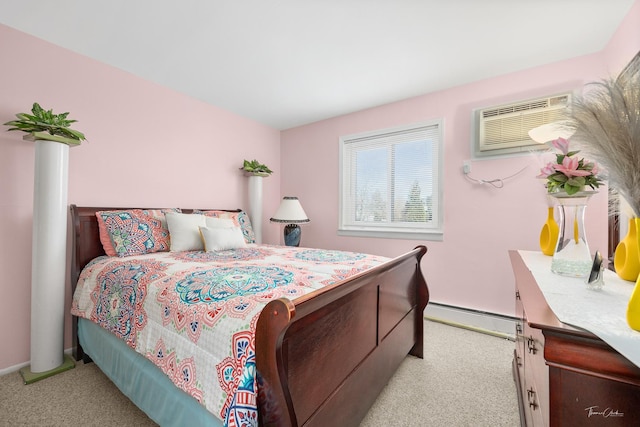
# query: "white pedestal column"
{"points": [[255, 205], [49, 254]]}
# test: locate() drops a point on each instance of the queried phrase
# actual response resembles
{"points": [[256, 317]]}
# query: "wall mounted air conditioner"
{"points": [[505, 128]]}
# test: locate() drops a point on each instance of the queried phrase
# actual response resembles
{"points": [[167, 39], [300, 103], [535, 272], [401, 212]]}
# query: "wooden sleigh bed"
{"points": [[323, 358]]}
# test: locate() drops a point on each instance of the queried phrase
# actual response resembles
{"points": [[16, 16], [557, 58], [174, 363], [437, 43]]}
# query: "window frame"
{"points": [[401, 230]]}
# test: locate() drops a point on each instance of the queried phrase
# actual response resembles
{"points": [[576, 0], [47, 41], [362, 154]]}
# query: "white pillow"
{"points": [[213, 222], [184, 231], [219, 239]]}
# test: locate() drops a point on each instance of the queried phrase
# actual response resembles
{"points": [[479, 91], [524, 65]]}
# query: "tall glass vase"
{"points": [[572, 256]]}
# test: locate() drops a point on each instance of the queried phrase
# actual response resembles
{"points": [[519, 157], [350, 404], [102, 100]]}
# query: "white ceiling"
{"points": [[285, 63]]}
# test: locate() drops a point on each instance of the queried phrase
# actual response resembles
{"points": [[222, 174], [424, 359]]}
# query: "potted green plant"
{"points": [[43, 124], [53, 138], [255, 168]]}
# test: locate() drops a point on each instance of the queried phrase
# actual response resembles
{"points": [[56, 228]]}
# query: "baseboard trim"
{"points": [[479, 321], [14, 368]]}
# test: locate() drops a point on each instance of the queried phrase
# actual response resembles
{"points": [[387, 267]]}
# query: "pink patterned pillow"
{"points": [[133, 232], [240, 219]]}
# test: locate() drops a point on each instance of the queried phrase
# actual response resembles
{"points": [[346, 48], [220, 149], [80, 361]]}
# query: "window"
{"points": [[390, 183]]}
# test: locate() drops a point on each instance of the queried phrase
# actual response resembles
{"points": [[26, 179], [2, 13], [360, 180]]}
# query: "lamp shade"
{"points": [[290, 211], [550, 132]]}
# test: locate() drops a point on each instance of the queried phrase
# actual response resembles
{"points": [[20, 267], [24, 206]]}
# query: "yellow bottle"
{"points": [[549, 234], [626, 258], [633, 309]]}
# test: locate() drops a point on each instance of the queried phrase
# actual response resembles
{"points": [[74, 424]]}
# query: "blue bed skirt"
{"points": [[141, 381]]}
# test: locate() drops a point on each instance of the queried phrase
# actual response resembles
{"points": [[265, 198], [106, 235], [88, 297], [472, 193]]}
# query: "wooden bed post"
{"points": [[422, 298], [274, 405]]}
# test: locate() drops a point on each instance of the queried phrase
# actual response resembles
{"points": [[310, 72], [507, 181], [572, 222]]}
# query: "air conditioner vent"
{"points": [[505, 129]]}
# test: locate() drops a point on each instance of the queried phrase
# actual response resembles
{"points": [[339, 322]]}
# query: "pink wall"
{"points": [[470, 267], [625, 43], [147, 146]]}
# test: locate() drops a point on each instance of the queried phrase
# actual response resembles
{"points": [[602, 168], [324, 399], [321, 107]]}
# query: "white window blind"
{"points": [[390, 182]]}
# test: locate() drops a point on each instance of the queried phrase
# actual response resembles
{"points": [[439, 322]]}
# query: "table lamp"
{"points": [[290, 212]]}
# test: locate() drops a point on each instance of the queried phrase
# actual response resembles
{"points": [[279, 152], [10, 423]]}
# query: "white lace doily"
{"points": [[603, 312]]}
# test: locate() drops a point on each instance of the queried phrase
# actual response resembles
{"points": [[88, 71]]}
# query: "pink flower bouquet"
{"points": [[568, 173]]}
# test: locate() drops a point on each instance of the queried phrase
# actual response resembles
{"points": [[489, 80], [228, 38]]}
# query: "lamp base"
{"points": [[292, 234]]}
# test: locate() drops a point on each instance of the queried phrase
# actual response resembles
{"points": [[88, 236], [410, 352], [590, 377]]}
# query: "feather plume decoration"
{"points": [[606, 122]]}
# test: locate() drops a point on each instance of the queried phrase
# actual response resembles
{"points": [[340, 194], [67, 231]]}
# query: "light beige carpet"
{"points": [[464, 380]]}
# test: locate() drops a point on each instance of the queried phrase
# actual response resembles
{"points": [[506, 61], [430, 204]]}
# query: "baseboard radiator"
{"points": [[480, 321]]}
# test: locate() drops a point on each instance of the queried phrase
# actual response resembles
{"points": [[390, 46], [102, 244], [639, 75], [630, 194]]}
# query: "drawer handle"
{"points": [[531, 345], [531, 397]]}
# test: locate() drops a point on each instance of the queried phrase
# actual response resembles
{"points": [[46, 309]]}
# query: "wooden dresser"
{"points": [[567, 376]]}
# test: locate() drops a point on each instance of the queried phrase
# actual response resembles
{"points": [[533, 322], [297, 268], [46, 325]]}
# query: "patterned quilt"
{"points": [[194, 314]]}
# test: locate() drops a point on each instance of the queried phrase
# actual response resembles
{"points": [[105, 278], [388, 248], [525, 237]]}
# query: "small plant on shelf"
{"points": [[254, 167], [43, 124]]}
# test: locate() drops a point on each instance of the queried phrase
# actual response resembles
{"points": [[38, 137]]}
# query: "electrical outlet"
{"points": [[466, 167]]}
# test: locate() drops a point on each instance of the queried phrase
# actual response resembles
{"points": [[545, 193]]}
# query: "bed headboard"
{"points": [[86, 243]]}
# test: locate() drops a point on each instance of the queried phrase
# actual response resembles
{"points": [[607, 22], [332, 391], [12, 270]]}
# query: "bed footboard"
{"points": [[324, 360]]}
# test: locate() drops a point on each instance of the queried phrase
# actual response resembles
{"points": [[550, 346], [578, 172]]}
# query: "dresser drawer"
{"points": [[582, 399], [536, 374], [533, 410]]}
